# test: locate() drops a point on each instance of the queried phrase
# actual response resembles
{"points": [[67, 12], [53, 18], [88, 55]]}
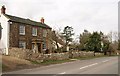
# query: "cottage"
{"points": [[23, 33]]}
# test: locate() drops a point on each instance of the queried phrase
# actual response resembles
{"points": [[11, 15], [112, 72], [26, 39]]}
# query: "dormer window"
{"points": [[22, 30], [34, 31]]}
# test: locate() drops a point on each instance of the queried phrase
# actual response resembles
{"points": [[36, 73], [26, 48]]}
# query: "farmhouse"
{"points": [[23, 33]]}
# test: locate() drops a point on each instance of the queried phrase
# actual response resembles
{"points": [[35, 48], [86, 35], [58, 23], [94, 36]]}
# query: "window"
{"points": [[44, 45], [34, 31], [32, 46], [22, 30], [22, 44], [44, 33]]}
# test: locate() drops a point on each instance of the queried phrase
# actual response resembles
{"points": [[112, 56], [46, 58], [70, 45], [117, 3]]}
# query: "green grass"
{"points": [[48, 62], [89, 57], [5, 68]]}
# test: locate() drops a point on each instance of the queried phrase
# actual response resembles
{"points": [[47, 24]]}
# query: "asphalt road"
{"points": [[103, 65]]}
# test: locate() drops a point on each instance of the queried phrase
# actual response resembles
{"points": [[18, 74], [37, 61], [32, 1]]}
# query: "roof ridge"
{"points": [[14, 16], [27, 21]]}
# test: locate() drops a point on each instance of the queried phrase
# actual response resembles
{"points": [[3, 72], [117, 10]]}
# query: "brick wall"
{"points": [[15, 37]]}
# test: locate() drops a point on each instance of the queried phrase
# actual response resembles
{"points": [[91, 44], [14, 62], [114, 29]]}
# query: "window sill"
{"points": [[34, 35], [21, 34]]}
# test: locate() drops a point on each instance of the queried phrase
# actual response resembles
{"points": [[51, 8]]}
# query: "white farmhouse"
{"points": [[4, 21]]}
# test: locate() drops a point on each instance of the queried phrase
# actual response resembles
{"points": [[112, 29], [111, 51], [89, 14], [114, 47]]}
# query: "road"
{"points": [[102, 65]]}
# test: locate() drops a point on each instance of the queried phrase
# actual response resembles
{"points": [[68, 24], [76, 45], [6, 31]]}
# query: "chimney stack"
{"points": [[42, 20], [3, 9]]}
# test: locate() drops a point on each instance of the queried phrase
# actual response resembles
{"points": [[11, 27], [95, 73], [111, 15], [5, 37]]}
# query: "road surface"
{"points": [[102, 65]]}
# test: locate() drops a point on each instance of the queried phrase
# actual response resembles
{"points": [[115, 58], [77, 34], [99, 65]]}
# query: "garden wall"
{"points": [[28, 54], [20, 53]]}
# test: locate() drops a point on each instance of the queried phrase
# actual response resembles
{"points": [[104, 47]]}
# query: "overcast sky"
{"points": [[93, 15]]}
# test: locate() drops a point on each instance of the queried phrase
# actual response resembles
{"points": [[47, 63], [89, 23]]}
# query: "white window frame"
{"points": [[22, 30], [34, 31], [32, 46], [44, 33], [44, 45], [22, 44]]}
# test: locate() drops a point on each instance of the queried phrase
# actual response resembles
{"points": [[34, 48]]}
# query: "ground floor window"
{"points": [[44, 45], [22, 44], [32, 46]]}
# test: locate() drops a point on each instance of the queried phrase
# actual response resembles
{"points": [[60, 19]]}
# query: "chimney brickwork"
{"points": [[3, 9], [42, 20]]}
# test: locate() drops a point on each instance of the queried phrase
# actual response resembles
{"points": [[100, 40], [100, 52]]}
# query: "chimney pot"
{"points": [[42, 20], [3, 9]]}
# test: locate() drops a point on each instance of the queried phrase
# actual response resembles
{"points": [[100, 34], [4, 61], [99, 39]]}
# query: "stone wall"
{"points": [[82, 54], [28, 54], [20, 53], [56, 56]]}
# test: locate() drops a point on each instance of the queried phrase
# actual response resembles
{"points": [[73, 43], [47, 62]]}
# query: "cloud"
{"points": [[93, 15]]}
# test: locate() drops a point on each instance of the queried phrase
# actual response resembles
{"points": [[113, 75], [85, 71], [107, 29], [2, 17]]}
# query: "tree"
{"points": [[94, 42], [118, 40], [67, 34], [119, 44], [84, 37], [110, 35], [57, 41], [55, 38], [106, 46]]}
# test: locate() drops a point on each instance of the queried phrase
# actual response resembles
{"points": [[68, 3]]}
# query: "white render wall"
{"points": [[4, 42], [54, 45]]}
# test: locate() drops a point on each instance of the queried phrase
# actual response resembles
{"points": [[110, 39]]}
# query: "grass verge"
{"points": [[5, 68], [48, 62]]}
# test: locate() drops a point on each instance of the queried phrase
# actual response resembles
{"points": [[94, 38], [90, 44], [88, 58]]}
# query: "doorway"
{"points": [[39, 47]]}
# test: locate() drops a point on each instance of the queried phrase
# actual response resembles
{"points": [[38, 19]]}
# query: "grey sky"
{"points": [[93, 15]]}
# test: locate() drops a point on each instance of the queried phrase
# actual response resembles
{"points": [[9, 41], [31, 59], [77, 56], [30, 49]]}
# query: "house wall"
{"points": [[15, 37], [4, 42], [49, 40]]}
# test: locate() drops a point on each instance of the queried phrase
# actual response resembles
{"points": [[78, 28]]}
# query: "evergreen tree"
{"points": [[67, 34]]}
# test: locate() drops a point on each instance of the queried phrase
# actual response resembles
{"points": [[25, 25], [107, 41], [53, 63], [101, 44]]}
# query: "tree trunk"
{"points": [[94, 53], [105, 53]]}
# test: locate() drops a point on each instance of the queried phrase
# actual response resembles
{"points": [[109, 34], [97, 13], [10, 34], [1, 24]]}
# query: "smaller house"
{"points": [[57, 41]]}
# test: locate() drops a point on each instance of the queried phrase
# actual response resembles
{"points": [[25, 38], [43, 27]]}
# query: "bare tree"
{"points": [[109, 35]]}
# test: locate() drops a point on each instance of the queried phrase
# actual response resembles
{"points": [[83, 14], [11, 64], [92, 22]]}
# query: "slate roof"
{"points": [[54, 37], [26, 21]]}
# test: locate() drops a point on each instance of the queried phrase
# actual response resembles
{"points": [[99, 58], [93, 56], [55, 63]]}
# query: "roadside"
{"points": [[12, 63]]}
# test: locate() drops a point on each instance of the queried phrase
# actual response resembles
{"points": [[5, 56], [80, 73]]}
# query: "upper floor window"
{"points": [[22, 44], [34, 31], [22, 30], [44, 33]]}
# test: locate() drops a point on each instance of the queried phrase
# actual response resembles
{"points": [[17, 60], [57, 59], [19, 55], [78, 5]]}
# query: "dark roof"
{"points": [[26, 21], [56, 38]]}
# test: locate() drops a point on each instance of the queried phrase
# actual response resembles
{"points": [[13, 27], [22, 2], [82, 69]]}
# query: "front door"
{"points": [[39, 47]]}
